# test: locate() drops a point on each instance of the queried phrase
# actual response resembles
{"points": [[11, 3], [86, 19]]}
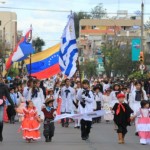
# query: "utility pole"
{"points": [[142, 66], [142, 24]]}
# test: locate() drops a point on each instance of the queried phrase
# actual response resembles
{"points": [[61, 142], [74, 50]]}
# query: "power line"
{"points": [[64, 11]]}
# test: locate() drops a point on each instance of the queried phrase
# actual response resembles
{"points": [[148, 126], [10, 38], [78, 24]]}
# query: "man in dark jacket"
{"points": [[4, 93]]}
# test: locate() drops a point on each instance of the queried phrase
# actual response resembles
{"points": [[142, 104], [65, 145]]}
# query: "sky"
{"points": [[49, 25]]}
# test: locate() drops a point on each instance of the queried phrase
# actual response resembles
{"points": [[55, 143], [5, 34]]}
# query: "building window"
{"points": [[0, 22], [83, 27], [93, 27]]}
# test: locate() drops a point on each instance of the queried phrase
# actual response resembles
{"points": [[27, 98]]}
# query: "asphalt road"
{"points": [[102, 137]]}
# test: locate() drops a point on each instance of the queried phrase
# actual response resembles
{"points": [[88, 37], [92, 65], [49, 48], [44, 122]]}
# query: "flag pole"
{"points": [[78, 65], [30, 53]]}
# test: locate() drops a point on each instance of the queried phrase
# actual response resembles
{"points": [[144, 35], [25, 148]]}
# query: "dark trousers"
{"points": [[11, 113], [1, 121], [122, 129], [63, 122], [85, 128], [98, 107], [49, 129]]}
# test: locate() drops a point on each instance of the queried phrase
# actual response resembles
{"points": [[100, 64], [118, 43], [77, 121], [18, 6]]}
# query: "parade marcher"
{"points": [[106, 105], [43, 88], [76, 111], [135, 99], [106, 85], [68, 96], [147, 88], [51, 95], [10, 109], [27, 88], [86, 99], [4, 92], [143, 123], [122, 117], [31, 123], [98, 98], [49, 114], [37, 97], [113, 95]]}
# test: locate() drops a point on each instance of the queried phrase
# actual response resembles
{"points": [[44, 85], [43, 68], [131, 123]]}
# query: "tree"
{"points": [[89, 68], [37, 44], [77, 17], [147, 24], [118, 60], [98, 12]]}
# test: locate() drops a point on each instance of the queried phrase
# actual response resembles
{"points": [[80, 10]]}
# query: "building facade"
{"points": [[95, 32], [8, 32]]}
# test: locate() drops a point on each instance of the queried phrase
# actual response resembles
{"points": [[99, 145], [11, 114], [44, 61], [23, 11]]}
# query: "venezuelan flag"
{"points": [[44, 64]]}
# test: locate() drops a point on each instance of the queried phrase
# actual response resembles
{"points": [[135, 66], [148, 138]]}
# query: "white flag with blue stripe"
{"points": [[69, 51]]}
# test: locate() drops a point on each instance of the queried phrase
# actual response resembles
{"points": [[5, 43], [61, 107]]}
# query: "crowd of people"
{"points": [[34, 102]]}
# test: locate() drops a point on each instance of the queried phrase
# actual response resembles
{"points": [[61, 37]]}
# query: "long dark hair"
{"points": [[141, 91]]}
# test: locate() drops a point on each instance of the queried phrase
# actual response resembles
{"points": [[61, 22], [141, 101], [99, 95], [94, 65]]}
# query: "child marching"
{"points": [[31, 123], [143, 123], [122, 117], [49, 114]]}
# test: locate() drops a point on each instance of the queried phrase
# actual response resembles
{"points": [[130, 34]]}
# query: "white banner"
{"points": [[93, 114]]}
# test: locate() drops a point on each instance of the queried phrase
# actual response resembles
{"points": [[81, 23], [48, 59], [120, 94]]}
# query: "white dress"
{"points": [[68, 96], [135, 105], [106, 107], [38, 101]]}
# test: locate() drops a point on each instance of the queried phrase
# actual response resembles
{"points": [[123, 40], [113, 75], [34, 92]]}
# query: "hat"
{"points": [[85, 81], [120, 96], [96, 87], [48, 100]]}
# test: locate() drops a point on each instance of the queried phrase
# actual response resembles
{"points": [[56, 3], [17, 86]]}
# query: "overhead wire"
{"points": [[62, 11]]}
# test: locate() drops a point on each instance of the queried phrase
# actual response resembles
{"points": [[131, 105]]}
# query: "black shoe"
{"points": [[84, 138], [66, 125], [136, 134], [50, 139], [78, 127], [87, 136], [1, 139], [47, 139]]}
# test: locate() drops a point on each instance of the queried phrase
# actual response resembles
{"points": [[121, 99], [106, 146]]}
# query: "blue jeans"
{"points": [[1, 113]]}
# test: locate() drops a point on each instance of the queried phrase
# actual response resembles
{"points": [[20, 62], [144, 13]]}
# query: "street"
{"points": [[102, 137]]}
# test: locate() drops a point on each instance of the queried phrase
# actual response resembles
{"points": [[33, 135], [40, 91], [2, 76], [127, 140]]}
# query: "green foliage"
{"points": [[13, 72], [98, 12], [118, 60], [89, 68], [137, 75], [37, 44], [77, 17]]}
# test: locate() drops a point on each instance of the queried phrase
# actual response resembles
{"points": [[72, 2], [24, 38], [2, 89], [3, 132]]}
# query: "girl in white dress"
{"points": [[36, 95], [135, 99]]}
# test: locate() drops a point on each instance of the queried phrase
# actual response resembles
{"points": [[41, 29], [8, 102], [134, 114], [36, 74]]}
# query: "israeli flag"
{"points": [[69, 51]]}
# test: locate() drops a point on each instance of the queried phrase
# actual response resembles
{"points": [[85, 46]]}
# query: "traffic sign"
{"points": [[142, 67]]}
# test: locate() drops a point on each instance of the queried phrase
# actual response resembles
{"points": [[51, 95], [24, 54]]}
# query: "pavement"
{"points": [[102, 137]]}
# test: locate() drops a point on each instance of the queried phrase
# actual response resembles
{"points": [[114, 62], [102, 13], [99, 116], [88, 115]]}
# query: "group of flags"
{"points": [[59, 58]]}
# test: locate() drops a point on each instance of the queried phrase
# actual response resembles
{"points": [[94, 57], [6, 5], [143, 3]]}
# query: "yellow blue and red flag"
{"points": [[44, 64]]}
